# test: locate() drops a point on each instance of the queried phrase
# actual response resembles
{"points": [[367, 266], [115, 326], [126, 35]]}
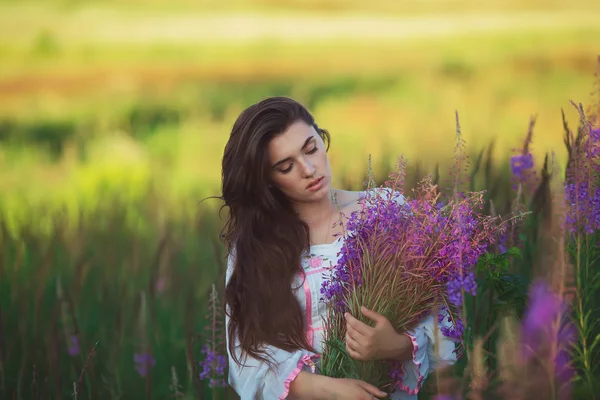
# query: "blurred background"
{"points": [[113, 119]]}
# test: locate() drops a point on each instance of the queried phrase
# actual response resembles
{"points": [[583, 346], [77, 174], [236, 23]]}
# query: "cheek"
{"points": [[322, 161], [286, 183]]}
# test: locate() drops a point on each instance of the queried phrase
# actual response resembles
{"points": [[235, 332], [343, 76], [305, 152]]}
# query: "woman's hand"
{"points": [[380, 342], [312, 386], [352, 389]]}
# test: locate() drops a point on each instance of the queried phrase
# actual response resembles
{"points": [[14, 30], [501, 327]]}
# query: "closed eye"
{"points": [[288, 169]]}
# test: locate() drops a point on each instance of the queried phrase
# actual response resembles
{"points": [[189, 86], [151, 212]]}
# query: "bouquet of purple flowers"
{"points": [[404, 258]]}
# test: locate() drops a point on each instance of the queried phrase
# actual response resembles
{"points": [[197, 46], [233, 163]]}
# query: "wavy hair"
{"points": [[264, 234]]}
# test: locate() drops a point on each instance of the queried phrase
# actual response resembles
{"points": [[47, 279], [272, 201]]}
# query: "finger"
{"points": [[373, 390], [354, 354], [359, 342], [354, 345], [358, 326], [372, 315], [354, 334]]}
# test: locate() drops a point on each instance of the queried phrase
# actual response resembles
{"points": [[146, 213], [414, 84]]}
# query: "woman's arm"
{"points": [[308, 386], [401, 349], [311, 386]]}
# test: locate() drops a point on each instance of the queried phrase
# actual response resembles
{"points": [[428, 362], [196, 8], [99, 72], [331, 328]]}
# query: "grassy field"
{"points": [[113, 119], [171, 106]]}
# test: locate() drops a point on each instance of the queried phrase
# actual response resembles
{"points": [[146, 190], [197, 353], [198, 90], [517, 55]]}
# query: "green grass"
{"points": [[83, 268], [103, 269]]}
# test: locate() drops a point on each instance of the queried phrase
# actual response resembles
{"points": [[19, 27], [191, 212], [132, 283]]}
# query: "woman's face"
{"points": [[299, 163]]}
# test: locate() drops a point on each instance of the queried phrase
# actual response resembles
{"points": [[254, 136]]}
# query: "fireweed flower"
{"points": [[160, 284], [213, 367], [542, 337], [412, 257], [442, 242], [595, 134], [143, 363], [582, 186], [214, 363], [71, 338], [73, 345], [521, 165], [584, 212]]}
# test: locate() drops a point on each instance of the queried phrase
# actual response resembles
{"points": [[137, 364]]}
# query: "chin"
{"points": [[322, 192]]}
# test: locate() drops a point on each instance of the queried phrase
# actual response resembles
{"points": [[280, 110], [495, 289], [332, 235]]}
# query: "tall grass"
{"points": [[79, 302]]}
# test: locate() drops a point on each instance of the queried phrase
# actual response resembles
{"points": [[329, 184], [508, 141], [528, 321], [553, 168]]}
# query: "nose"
{"points": [[308, 170]]}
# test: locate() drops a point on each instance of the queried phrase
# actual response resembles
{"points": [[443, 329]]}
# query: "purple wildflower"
{"points": [[143, 363], [584, 207], [73, 348], [502, 243], [582, 186], [455, 331], [213, 367], [545, 309], [455, 287], [214, 363], [520, 165], [160, 284], [445, 240]]}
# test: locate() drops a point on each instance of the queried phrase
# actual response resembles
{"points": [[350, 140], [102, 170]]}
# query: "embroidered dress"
{"points": [[254, 380]]}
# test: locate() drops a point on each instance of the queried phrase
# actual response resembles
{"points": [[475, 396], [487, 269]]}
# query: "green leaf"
{"points": [[515, 252], [595, 343]]}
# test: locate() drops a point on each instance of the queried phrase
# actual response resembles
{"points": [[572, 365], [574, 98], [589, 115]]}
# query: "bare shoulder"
{"points": [[348, 201]]}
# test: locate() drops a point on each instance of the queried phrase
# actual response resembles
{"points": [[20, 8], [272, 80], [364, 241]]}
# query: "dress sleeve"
{"points": [[431, 349], [255, 379]]}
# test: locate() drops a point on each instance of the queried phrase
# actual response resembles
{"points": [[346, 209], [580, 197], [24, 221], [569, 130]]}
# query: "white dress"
{"points": [[254, 380]]}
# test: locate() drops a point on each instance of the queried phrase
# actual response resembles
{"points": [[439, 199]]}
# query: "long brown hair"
{"points": [[264, 233]]}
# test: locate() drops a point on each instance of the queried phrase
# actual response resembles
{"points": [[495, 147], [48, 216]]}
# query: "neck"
{"points": [[317, 212]]}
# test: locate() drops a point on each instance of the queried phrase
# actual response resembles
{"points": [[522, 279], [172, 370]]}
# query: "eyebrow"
{"points": [[306, 142]]}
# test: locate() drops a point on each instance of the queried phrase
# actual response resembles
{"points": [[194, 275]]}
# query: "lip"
{"points": [[315, 184]]}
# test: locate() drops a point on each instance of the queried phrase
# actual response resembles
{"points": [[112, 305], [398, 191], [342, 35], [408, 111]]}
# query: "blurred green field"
{"points": [[83, 106]]}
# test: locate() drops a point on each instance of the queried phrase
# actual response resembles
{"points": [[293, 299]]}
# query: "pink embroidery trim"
{"points": [[309, 328], [315, 262], [315, 271], [305, 360], [420, 377]]}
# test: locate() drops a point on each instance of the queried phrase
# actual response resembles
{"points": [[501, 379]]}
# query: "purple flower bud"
{"points": [[143, 363], [213, 367], [544, 310], [519, 164], [73, 346]]}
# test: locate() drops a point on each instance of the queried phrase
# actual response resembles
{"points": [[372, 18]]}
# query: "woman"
{"points": [[282, 240]]}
